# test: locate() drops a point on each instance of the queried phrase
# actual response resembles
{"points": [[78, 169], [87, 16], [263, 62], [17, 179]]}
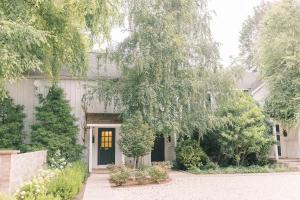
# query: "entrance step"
{"points": [[101, 171], [292, 163]]}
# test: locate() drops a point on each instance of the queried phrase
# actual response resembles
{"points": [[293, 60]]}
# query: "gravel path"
{"points": [[184, 186]]}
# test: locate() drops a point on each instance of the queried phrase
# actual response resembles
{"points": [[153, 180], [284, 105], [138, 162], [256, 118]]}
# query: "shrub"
{"points": [[157, 174], [137, 139], [120, 176], [164, 164], [69, 181], [189, 154], [36, 189], [141, 176], [54, 184], [57, 161], [11, 124], [244, 133], [56, 128]]}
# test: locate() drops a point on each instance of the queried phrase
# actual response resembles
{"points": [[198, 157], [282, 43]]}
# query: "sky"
{"points": [[226, 25]]}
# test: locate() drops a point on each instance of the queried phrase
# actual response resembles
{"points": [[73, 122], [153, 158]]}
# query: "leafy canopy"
{"points": [[46, 36], [244, 132], [249, 36], [279, 54], [168, 66], [137, 139], [56, 127]]}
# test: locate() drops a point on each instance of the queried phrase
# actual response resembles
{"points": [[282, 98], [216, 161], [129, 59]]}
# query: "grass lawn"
{"points": [[241, 170]]}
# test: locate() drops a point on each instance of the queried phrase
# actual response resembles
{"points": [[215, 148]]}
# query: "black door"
{"points": [[158, 151], [106, 146]]}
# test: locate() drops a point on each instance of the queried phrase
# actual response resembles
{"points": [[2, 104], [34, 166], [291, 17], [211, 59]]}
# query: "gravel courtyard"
{"points": [[184, 186]]}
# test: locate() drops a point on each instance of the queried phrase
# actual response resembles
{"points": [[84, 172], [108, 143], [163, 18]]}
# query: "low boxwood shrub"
{"points": [[157, 174], [120, 176]]}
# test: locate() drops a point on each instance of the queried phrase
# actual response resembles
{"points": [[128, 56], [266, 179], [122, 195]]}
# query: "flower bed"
{"points": [[56, 184], [125, 176]]}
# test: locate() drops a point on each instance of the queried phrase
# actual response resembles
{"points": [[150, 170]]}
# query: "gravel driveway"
{"points": [[184, 186]]}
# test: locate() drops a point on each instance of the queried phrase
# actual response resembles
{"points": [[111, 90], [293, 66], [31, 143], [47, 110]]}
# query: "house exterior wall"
{"points": [[25, 93], [290, 145]]}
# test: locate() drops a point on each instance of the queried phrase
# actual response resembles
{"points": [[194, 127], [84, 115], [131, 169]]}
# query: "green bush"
{"points": [[11, 124], [56, 127], [244, 137], [55, 184], [141, 176], [189, 154], [137, 139], [69, 181], [157, 174], [120, 176]]}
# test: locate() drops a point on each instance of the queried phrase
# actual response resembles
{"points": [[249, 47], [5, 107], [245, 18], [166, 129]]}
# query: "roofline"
{"points": [[258, 88]]}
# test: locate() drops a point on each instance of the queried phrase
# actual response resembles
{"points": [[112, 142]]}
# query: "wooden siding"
{"points": [[25, 93]]}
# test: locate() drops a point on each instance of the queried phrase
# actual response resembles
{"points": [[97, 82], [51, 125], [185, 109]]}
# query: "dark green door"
{"points": [[106, 146], [158, 151]]}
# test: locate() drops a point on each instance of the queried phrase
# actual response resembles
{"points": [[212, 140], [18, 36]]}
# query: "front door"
{"points": [[158, 151], [106, 146]]}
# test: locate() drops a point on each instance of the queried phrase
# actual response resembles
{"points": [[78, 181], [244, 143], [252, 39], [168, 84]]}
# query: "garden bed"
{"points": [[241, 170], [126, 176]]}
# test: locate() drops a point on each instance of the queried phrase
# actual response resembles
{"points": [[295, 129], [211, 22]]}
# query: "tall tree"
{"points": [[279, 55], [169, 66], [49, 35], [249, 36], [11, 124], [56, 127]]}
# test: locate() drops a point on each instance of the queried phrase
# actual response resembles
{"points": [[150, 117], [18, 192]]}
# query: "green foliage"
{"points": [[69, 182], [189, 154], [157, 174], [141, 176], [168, 66], [241, 169], [57, 161], [244, 132], [249, 35], [154, 174], [120, 176], [278, 54], [11, 124], [55, 128], [55, 184], [137, 139], [50, 35]]}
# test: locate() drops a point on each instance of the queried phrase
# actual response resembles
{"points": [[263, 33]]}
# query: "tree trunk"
{"points": [[134, 162], [137, 162]]}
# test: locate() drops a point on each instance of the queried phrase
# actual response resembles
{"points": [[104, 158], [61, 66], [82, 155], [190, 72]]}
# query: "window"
{"points": [[106, 139]]}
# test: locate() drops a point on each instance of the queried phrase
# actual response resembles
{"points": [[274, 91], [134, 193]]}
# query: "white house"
{"points": [[99, 126], [288, 140]]}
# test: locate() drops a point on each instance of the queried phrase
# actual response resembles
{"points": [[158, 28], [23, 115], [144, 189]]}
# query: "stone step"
{"points": [[101, 171]]}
